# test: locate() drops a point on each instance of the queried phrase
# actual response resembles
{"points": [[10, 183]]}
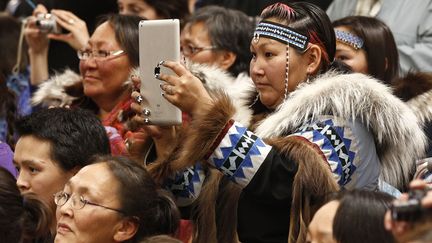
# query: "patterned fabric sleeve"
{"points": [[186, 185], [239, 154]]}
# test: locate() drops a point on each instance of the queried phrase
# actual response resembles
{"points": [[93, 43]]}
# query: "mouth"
{"points": [[63, 229], [90, 78]]}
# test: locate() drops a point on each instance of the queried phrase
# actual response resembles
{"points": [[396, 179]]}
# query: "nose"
{"points": [[89, 63], [256, 68], [66, 209], [22, 183]]}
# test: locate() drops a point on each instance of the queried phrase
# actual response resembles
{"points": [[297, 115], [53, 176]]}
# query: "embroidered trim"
{"points": [[186, 185], [240, 154], [282, 34], [335, 147], [349, 38]]}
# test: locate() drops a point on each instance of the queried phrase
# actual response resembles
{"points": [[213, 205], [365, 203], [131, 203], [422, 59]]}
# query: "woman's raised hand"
{"points": [[78, 35], [184, 90], [35, 38]]}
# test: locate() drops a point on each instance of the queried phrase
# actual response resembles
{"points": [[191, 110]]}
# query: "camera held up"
{"points": [[412, 209], [47, 23]]}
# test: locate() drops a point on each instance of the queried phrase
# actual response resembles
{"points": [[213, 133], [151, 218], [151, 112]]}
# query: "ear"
{"points": [[226, 59], [125, 230], [314, 59]]}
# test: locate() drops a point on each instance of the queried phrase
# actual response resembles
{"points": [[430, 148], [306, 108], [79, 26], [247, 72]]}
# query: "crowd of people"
{"points": [[302, 121]]}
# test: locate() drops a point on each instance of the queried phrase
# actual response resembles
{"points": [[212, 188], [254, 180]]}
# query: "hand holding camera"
{"points": [[58, 25], [411, 211]]}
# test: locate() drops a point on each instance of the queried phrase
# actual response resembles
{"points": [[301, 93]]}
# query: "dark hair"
{"points": [[310, 20], [8, 110], [160, 239], [170, 9], [379, 45], [229, 30], [126, 34], [22, 218], [140, 197], [360, 217], [75, 135]]}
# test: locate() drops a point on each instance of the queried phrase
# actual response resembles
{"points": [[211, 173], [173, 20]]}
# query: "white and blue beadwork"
{"points": [[334, 146], [349, 38], [240, 154], [282, 34], [186, 185]]}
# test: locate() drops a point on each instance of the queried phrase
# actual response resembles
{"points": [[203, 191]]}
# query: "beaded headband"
{"points": [[282, 34], [349, 39]]}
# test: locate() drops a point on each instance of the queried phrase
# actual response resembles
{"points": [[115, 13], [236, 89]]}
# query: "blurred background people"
{"points": [[155, 9], [254, 8], [219, 37], [367, 46], [410, 22]]}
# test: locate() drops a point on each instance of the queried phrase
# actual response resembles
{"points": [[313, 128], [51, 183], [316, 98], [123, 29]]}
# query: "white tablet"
{"points": [[159, 40]]}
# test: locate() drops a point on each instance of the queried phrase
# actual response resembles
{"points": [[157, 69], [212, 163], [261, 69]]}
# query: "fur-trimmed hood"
{"points": [[356, 97]]}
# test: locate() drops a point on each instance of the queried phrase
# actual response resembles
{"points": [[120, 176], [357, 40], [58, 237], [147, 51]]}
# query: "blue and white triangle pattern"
{"points": [[240, 154], [186, 185], [335, 147]]}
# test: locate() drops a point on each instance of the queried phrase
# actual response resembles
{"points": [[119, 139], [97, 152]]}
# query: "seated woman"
{"points": [[367, 45], [23, 218], [308, 129], [103, 86], [351, 217], [113, 200]]}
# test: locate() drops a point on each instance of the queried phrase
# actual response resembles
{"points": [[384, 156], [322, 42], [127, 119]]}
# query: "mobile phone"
{"points": [[159, 40]]}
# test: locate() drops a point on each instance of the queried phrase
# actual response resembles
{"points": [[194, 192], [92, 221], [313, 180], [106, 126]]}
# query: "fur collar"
{"points": [[52, 92], [399, 138]]}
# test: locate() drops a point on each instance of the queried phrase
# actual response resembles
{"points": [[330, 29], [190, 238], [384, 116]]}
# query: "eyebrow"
{"points": [[29, 161]]}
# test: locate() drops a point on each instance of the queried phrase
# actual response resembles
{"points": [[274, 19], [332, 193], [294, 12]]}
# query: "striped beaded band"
{"points": [[349, 39], [282, 34]]}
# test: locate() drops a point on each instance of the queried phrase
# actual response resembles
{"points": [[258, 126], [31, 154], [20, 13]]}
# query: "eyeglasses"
{"points": [[190, 50], [61, 198], [98, 54]]}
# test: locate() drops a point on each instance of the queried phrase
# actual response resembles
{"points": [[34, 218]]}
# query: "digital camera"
{"points": [[410, 210], [47, 23]]}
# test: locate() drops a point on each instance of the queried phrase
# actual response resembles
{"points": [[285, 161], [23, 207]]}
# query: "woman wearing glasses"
{"points": [[113, 200], [103, 87]]}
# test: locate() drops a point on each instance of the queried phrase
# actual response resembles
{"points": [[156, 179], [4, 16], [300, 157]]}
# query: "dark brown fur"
{"points": [[412, 85]]}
